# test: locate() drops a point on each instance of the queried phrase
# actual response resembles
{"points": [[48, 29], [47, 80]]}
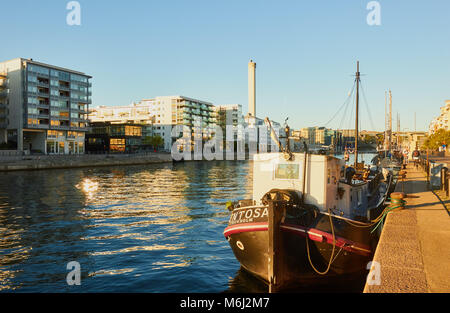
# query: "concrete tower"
{"points": [[252, 88]]}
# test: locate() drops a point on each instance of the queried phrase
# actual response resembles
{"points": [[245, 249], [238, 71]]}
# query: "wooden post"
{"points": [[275, 276], [442, 178]]}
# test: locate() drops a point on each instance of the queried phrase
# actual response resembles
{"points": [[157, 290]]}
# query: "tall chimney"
{"points": [[252, 88]]}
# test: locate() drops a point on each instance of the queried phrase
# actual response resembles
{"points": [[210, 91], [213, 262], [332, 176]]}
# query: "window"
{"points": [[32, 121], [64, 76], [32, 88], [61, 147], [287, 171], [79, 78], [38, 69], [32, 111], [52, 134]]}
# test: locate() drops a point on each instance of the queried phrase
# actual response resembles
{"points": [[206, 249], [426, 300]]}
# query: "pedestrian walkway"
{"points": [[414, 248]]}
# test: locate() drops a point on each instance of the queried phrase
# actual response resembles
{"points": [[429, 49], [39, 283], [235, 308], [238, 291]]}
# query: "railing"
{"points": [[4, 93]]}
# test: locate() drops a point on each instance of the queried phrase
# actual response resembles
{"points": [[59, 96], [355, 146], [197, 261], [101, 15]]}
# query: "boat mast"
{"points": [[357, 113]]}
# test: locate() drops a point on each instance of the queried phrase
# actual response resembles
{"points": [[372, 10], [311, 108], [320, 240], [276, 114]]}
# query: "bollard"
{"points": [[444, 171], [402, 176], [446, 183], [397, 200]]}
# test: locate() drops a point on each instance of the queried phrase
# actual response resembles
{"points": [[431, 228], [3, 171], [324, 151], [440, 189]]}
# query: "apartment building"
{"points": [[230, 115], [163, 113], [129, 114], [442, 121], [47, 107], [199, 117]]}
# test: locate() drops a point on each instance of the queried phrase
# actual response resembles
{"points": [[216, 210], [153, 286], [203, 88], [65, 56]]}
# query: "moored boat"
{"points": [[310, 216]]}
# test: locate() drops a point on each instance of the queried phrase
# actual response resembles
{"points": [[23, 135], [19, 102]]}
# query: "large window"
{"points": [[32, 111], [79, 78], [117, 145], [61, 148], [32, 88], [51, 147], [38, 69], [32, 121]]}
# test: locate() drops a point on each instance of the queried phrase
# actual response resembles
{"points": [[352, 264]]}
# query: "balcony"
{"points": [[38, 126], [4, 93]]}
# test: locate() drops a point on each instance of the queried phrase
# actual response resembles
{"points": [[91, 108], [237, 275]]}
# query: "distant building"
{"points": [[161, 114], [442, 121], [230, 116], [43, 107]]}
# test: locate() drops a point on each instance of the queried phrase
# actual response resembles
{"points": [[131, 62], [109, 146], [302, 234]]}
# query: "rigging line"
{"points": [[368, 108], [351, 115], [340, 108], [341, 124]]}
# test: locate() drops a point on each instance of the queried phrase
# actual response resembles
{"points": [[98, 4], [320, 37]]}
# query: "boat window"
{"points": [[287, 171]]}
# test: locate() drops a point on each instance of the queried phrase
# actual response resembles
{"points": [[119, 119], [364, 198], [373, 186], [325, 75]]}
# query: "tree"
{"points": [[153, 141], [439, 138]]}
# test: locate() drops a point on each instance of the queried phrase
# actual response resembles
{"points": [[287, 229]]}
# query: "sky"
{"points": [[306, 53]]}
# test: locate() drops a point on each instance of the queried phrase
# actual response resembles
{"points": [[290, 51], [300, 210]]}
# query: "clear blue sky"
{"points": [[305, 52]]}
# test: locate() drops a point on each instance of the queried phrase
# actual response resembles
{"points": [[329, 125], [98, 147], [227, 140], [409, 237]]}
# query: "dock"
{"points": [[414, 248], [36, 162]]}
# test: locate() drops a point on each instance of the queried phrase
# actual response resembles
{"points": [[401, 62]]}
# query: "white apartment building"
{"points": [[229, 115], [163, 113], [442, 121], [44, 108]]}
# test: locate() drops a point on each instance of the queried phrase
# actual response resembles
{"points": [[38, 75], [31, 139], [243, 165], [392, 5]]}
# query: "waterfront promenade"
{"points": [[73, 161], [414, 248]]}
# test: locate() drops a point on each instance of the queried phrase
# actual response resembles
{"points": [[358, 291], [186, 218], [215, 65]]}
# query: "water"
{"points": [[152, 228]]}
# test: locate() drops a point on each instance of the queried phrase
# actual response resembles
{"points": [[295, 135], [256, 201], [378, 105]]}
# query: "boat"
{"points": [[311, 216]]}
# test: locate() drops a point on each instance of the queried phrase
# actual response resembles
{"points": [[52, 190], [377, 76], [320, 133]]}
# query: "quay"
{"points": [[40, 162], [414, 247]]}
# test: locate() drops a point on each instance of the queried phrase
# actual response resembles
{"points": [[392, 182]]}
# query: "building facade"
{"points": [[161, 114], [442, 121], [230, 115], [47, 107], [4, 92], [106, 137]]}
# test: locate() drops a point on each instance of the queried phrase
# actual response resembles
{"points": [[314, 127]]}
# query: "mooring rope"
{"points": [[332, 258]]}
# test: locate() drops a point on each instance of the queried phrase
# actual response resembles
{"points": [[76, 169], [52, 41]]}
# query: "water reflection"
{"points": [[154, 228]]}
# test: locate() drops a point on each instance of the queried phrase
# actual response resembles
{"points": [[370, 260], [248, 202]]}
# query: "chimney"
{"points": [[251, 88]]}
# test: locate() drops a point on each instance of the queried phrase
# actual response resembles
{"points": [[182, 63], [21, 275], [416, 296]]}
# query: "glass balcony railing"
{"points": [[4, 93]]}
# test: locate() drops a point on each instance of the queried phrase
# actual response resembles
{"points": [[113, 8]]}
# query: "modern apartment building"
{"points": [[229, 115], [442, 121], [163, 113], [127, 114], [47, 106], [199, 117]]}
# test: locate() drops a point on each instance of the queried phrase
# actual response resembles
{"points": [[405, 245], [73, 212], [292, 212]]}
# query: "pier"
{"points": [[40, 162], [414, 248]]}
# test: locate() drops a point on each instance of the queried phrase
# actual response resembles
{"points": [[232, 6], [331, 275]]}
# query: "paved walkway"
{"points": [[414, 248]]}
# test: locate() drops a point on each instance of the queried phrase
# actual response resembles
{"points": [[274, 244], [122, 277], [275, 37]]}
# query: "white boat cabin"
{"points": [[325, 182]]}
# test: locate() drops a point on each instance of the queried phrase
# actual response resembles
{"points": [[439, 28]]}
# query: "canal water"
{"points": [[146, 228]]}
